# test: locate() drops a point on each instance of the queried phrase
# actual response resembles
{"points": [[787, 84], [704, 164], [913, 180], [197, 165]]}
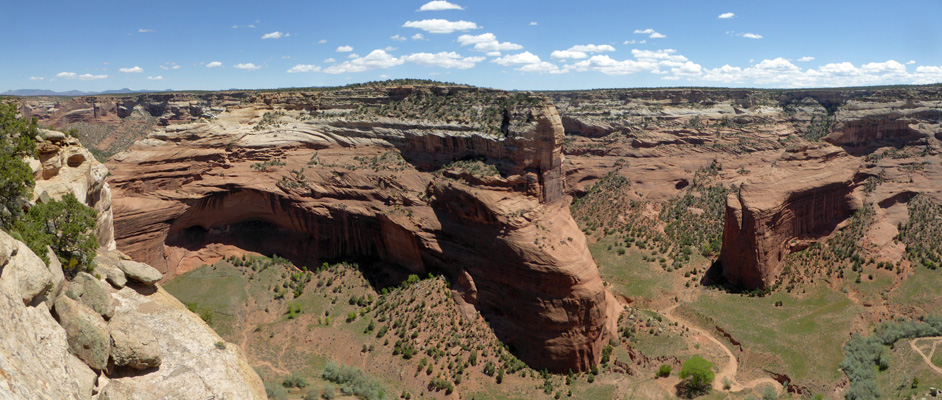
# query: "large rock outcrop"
{"points": [[298, 176], [807, 192]]}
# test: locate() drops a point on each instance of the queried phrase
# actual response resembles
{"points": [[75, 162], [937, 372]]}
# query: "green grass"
{"points": [[895, 382], [664, 344], [921, 290], [937, 356], [629, 274], [871, 290], [806, 332], [220, 289]]}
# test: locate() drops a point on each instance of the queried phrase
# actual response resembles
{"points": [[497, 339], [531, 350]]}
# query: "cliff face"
{"points": [[363, 173], [804, 196]]}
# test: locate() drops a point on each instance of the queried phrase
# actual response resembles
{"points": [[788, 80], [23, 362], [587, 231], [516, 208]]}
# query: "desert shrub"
{"points": [[438, 384], [275, 391], [861, 353], [294, 380], [353, 381], [664, 371]]}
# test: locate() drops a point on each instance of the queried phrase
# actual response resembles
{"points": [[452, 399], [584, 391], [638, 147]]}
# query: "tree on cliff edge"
{"points": [[696, 377]]}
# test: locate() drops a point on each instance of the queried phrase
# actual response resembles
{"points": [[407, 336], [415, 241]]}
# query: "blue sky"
{"points": [[197, 44]]}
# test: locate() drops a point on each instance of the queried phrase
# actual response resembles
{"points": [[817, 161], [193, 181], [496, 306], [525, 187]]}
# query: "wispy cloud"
{"points": [[304, 68], [439, 5], [580, 51], [214, 64], [533, 23], [275, 35], [443, 60], [37, 78], [440, 25], [247, 66], [330, 60], [133, 70], [142, 30], [344, 49], [398, 38], [726, 15], [652, 34], [170, 65], [83, 77], [155, 78], [747, 35], [806, 59], [418, 36]]}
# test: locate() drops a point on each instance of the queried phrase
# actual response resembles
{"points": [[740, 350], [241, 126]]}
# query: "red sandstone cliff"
{"points": [[807, 192], [368, 185]]}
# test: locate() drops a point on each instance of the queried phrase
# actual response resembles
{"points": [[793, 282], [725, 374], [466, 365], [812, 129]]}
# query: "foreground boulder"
{"points": [[804, 196], [140, 272], [86, 330], [133, 343], [92, 292], [23, 275]]}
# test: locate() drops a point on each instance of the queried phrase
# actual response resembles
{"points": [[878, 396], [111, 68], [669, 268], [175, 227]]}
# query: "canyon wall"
{"points": [[461, 181], [804, 196]]}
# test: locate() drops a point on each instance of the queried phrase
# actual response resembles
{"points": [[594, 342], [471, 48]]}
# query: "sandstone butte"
{"points": [[354, 173], [805, 194]]}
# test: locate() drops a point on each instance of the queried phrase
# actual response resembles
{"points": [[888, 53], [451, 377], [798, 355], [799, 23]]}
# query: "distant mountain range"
{"points": [[41, 92]]}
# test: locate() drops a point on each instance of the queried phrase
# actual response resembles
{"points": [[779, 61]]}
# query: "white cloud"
{"points": [[390, 49], [377, 59], [214, 64], [580, 51], [488, 43], [439, 5], [330, 60], [440, 25], [142, 30], [527, 62], [275, 35], [353, 55], [398, 38], [568, 55], [418, 36], [910, 62], [533, 23], [133, 70], [610, 66], [304, 68], [806, 59], [155, 78], [750, 35], [632, 41], [518, 59], [344, 49], [443, 59], [247, 66], [651, 33], [37, 78], [727, 15], [170, 65], [322, 41], [243, 26], [84, 77]]}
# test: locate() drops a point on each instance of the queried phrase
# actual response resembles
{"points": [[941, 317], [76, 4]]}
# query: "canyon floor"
{"points": [[828, 200]]}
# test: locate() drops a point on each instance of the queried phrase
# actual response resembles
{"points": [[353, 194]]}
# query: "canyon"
{"points": [[477, 184]]}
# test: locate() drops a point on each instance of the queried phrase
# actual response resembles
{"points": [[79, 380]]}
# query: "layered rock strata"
{"points": [[303, 177], [807, 192]]}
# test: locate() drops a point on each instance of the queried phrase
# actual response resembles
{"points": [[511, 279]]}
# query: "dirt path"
{"points": [[927, 358], [728, 371]]}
